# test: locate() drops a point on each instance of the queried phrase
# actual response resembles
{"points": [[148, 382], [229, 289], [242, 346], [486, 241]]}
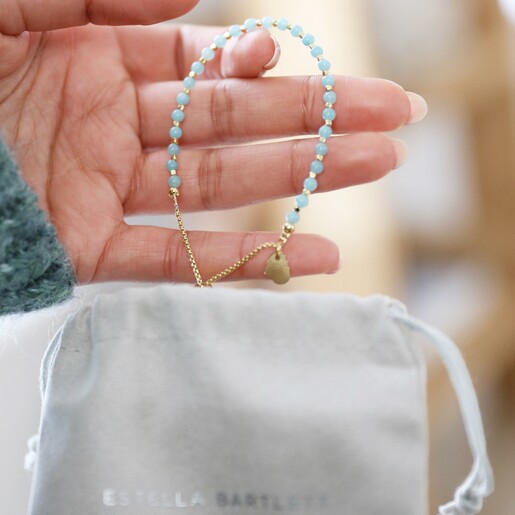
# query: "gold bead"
{"points": [[181, 107], [274, 24], [323, 140], [203, 60], [227, 35], [288, 228], [192, 74], [212, 46], [289, 26], [306, 192], [174, 192], [312, 175], [187, 90], [320, 157], [259, 23], [328, 104], [328, 87]]}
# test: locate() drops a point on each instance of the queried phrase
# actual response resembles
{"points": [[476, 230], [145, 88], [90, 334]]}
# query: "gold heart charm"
{"points": [[277, 268]]}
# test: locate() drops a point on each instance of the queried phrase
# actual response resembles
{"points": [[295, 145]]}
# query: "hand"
{"points": [[86, 111]]}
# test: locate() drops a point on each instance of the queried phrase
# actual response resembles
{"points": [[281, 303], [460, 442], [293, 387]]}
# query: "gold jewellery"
{"points": [[277, 267]]}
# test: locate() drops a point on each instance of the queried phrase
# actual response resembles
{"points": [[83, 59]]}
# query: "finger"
{"points": [[17, 16], [166, 52], [236, 110], [231, 177], [144, 253], [249, 55]]}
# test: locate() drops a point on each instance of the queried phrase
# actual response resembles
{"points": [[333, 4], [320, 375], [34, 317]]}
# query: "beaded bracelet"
{"points": [[277, 267]]}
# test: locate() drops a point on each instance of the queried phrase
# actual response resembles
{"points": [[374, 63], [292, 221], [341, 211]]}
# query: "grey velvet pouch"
{"points": [[220, 401]]}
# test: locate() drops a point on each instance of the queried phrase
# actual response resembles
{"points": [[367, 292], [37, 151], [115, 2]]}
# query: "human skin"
{"points": [[84, 104]]}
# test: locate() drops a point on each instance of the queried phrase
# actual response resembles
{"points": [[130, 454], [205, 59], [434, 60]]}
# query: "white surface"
{"points": [[508, 8]]}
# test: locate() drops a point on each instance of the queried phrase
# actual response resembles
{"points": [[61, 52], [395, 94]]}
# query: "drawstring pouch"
{"points": [[176, 399]]}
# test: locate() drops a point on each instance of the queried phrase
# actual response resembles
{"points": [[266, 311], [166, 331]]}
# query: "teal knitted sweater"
{"points": [[35, 271]]}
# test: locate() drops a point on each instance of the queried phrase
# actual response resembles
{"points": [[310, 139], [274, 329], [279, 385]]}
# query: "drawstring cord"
{"points": [[32, 453], [468, 497]]}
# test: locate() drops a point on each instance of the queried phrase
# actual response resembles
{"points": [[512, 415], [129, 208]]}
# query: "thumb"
{"points": [[17, 16], [250, 55]]}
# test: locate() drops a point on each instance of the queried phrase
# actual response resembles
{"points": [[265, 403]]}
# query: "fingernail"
{"points": [[418, 108], [275, 58], [338, 266], [401, 152]]}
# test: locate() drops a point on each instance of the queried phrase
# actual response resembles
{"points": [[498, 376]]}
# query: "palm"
{"points": [[78, 121]]}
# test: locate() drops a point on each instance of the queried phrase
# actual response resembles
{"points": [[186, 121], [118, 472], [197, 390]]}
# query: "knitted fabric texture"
{"points": [[35, 271]]}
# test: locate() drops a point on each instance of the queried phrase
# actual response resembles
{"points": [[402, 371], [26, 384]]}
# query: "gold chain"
{"points": [[174, 193], [245, 259], [287, 231]]}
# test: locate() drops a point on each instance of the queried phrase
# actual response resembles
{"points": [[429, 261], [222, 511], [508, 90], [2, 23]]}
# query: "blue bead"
{"points": [[329, 114], [324, 65], [316, 51], [189, 82], [308, 39], [178, 115], [173, 149], [207, 53], [176, 132], [321, 149], [174, 181], [250, 24], [296, 30], [172, 164], [292, 217], [235, 31], [310, 184], [301, 200], [183, 98], [220, 41], [267, 22], [317, 166], [329, 97], [327, 80], [197, 67], [282, 24], [325, 131]]}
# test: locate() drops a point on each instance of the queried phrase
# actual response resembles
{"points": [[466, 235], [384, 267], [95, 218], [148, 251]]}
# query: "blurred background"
{"points": [[439, 233]]}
